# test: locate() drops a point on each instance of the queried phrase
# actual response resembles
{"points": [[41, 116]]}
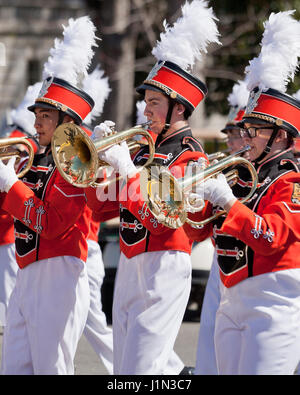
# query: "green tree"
{"points": [[241, 29]]}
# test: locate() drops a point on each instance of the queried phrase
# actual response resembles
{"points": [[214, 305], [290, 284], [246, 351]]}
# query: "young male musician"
{"points": [[21, 126], [257, 323], [154, 274], [49, 305], [206, 357]]}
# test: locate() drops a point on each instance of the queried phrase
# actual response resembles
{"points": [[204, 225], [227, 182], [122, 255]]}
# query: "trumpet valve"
{"points": [[202, 163], [110, 133], [194, 202]]}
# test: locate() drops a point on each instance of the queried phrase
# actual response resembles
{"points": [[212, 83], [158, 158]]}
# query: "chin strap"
{"points": [[268, 146], [168, 117], [61, 116]]}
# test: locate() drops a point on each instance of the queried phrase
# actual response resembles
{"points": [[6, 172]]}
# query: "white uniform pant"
{"points": [[46, 316], [174, 364], [8, 274], [96, 330], [258, 325], [150, 298], [206, 357]]}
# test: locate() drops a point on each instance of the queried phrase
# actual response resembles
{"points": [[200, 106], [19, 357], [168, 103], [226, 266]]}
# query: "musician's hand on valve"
{"points": [[118, 156], [218, 192], [7, 175], [102, 130], [194, 202]]}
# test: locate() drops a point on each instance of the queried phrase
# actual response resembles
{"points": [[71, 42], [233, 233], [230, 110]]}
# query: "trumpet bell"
{"points": [[164, 197], [74, 155], [10, 142]]}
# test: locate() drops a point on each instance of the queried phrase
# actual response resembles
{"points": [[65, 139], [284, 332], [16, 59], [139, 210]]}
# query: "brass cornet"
{"points": [[76, 154], [232, 175], [217, 155], [168, 198], [14, 141]]}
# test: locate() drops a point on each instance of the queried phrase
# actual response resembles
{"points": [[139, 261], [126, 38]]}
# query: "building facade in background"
{"points": [[27, 31]]}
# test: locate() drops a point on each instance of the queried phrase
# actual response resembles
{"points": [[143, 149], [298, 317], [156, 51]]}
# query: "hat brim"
{"points": [[255, 121], [48, 106], [41, 105], [230, 127], [142, 88]]}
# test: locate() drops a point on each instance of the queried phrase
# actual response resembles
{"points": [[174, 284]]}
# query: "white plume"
{"points": [[98, 88], [71, 58], [187, 40], [297, 95], [140, 117], [239, 95], [21, 116], [280, 49]]}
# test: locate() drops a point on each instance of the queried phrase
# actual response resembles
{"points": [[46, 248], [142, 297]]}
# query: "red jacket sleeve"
{"points": [[6, 228], [2, 198], [276, 223], [61, 208], [199, 234], [103, 209]]}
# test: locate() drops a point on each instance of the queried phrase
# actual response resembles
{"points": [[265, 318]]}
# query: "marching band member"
{"points": [[21, 125], [257, 323], [154, 274], [96, 330], [206, 358], [175, 364], [49, 304]]}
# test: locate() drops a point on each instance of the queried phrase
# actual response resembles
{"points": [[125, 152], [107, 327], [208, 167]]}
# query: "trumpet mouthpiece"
{"points": [[144, 125]]}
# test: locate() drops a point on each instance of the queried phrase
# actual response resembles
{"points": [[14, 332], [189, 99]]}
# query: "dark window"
{"points": [[33, 71]]}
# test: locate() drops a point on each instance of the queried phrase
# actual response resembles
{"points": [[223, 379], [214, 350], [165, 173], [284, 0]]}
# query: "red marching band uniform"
{"points": [[6, 228], [258, 249], [43, 213], [6, 221], [139, 229]]}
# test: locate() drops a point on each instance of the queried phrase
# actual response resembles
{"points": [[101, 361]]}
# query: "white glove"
{"points": [[194, 202], [103, 130], [217, 191], [118, 156], [7, 175]]}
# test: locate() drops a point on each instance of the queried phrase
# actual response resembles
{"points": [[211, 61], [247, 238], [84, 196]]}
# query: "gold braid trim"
{"points": [[277, 121], [170, 92], [59, 106]]}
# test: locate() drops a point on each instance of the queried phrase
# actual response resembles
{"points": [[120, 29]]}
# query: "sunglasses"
{"points": [[253, 131]]}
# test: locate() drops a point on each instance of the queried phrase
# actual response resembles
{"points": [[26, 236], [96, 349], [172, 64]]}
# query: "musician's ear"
{"points": [[180, 108], [68, 119]]}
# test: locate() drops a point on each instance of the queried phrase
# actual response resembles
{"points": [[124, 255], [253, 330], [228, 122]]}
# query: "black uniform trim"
{"points": [[269, 172]]}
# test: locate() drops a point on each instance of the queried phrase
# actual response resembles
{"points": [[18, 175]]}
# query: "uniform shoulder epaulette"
{"points": [[192, 143], [291, 164]]}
